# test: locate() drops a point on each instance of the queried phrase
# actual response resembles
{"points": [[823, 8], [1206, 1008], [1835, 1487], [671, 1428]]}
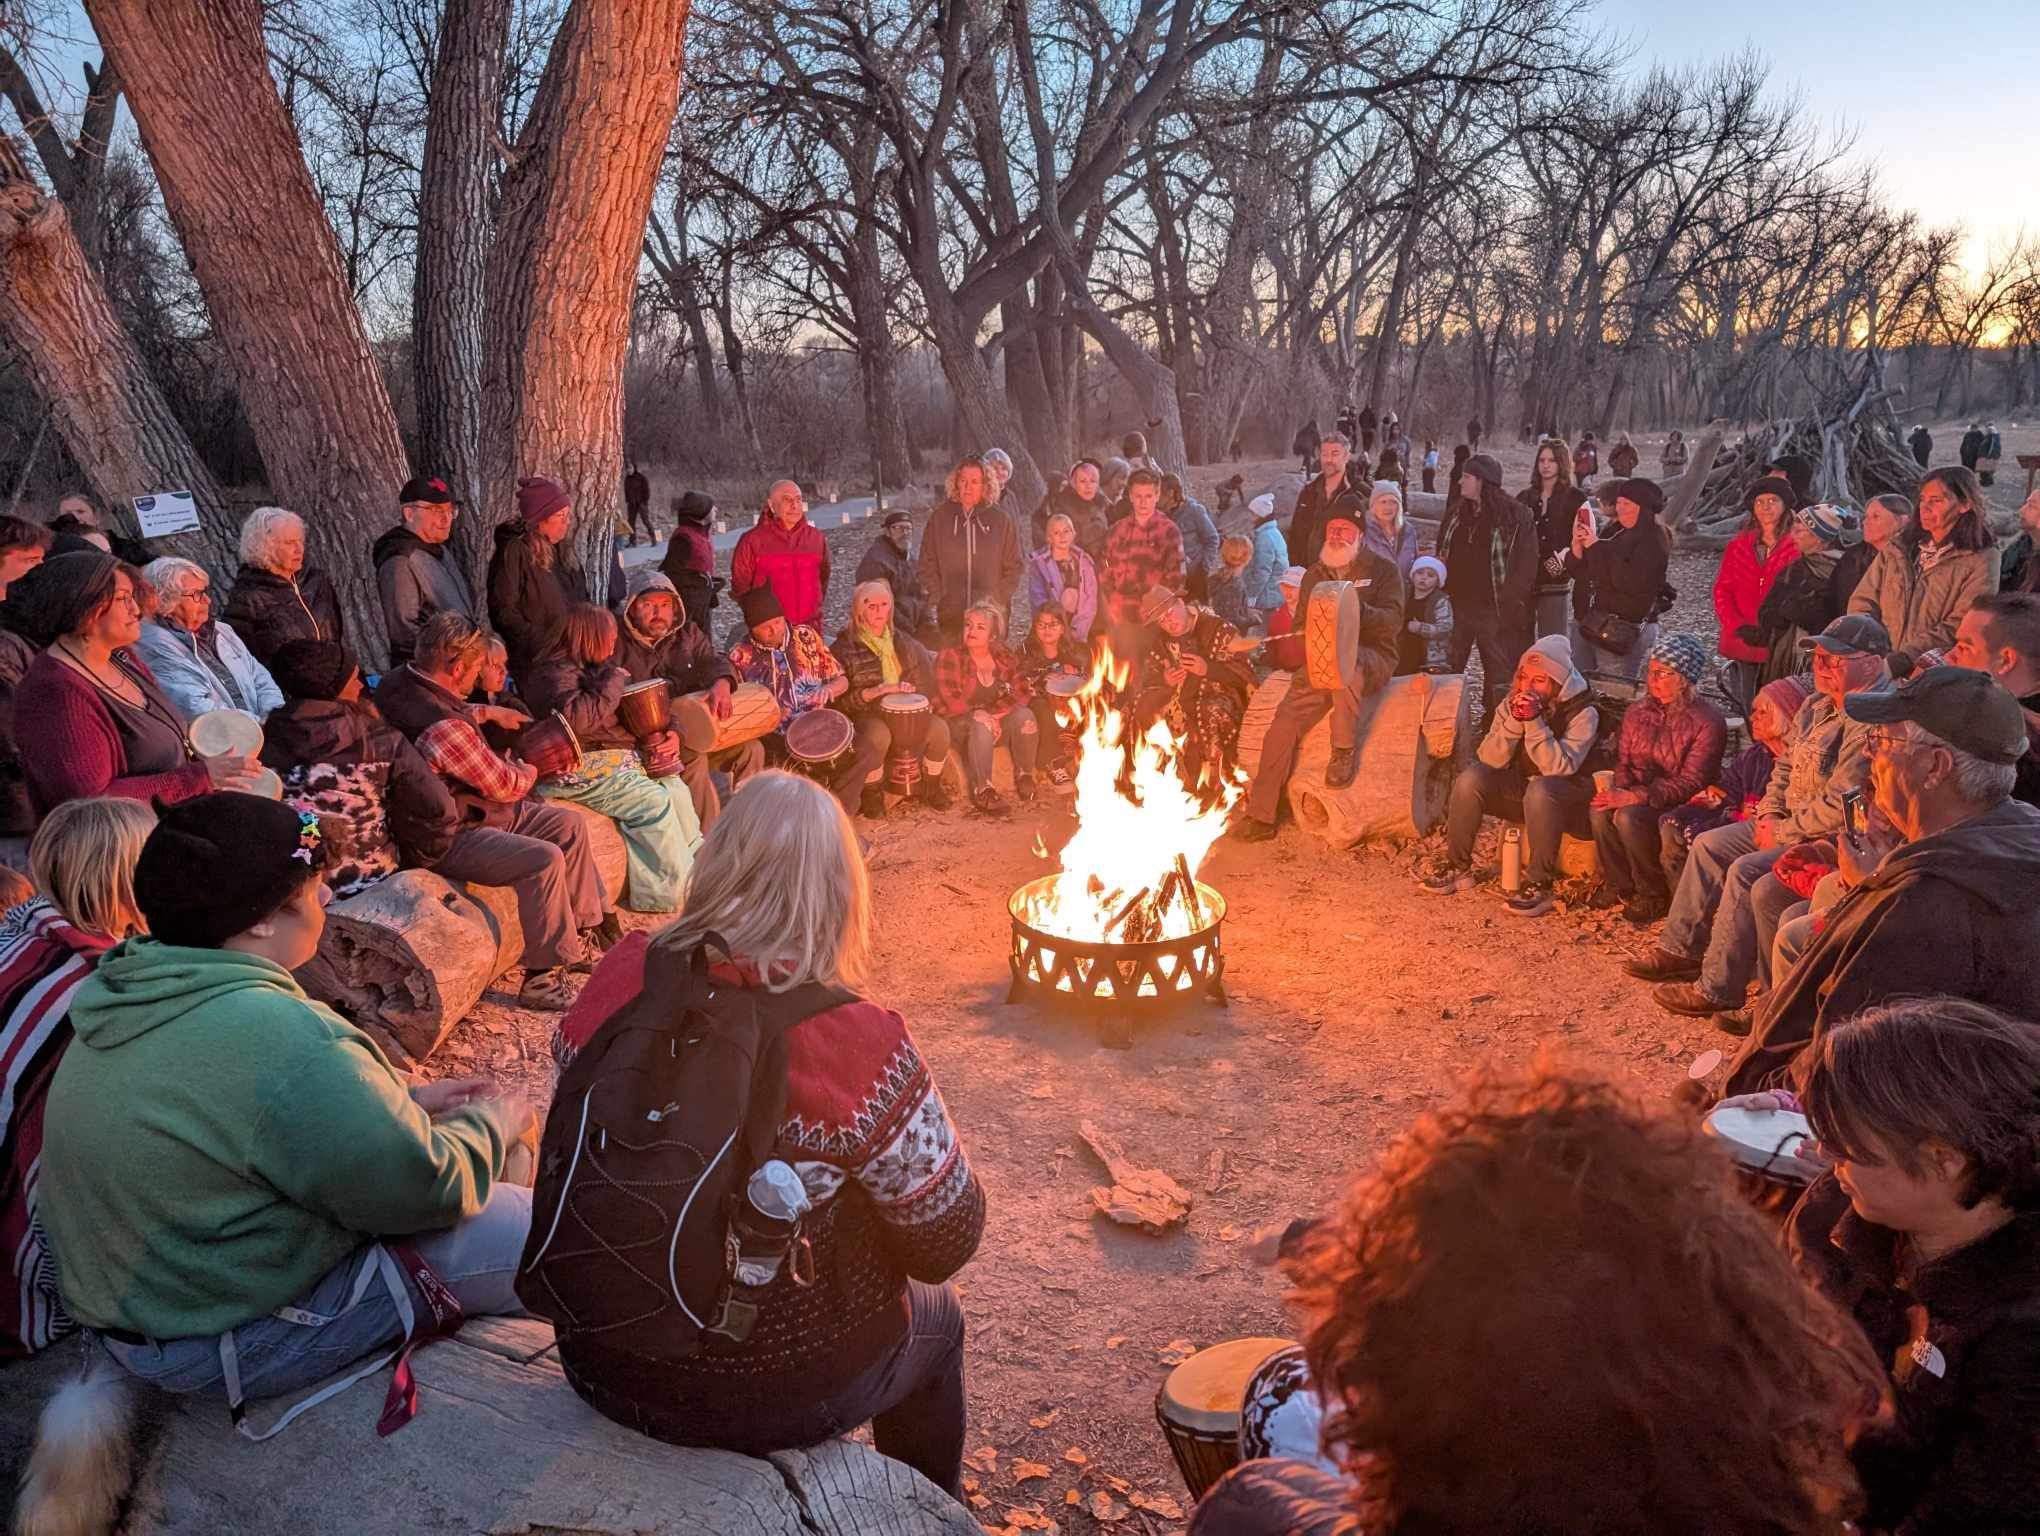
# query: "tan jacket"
{"points": [[1922, 608]]}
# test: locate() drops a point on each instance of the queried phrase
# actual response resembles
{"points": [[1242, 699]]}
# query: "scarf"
{"points": [[1932, 554], [881, 646]]}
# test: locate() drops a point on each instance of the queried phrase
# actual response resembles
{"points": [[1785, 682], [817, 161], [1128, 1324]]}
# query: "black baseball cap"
{"points": [[1853, 634], [427, 488], [1966, 709], [896, 517]]}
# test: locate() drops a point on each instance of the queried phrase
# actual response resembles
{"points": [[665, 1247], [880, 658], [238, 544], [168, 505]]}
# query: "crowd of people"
{"points": [[233, 1191]]}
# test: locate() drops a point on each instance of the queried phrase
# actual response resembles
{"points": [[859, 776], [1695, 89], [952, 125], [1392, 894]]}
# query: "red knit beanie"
{"points": [[538, 498]]}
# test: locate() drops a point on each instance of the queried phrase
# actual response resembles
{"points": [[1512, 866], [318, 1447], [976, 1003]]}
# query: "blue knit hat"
{"points": [[1827, 522], [1683, 653]]}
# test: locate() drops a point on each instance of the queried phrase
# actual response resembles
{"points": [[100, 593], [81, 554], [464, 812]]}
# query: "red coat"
{"points": [[795, 565], [1740, 587]]}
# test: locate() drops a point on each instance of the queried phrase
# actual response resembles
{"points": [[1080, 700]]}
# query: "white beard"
{"points": [[1337, 556]]}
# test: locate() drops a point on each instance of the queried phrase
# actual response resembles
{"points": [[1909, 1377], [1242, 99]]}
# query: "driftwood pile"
{"points": [[1852, 441]]}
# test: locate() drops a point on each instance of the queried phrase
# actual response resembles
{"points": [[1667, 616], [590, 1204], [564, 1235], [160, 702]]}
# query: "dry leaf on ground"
{"points": [[1075, 1457], [1107, 1510], [985, 1458], [1115, 1341], [1176, 1351], [1156, 1504], [1042, 1421], [1027, 1471]]}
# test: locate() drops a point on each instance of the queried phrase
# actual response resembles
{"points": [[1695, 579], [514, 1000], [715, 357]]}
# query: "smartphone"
{"points": [[1852, 812]]}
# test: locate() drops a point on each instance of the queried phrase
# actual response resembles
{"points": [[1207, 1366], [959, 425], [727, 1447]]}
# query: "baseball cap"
{"points": [[428, 488], [1853, 634], [1963, 708]]}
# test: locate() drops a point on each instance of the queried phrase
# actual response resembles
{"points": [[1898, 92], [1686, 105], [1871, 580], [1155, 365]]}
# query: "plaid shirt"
{"points": [[798, 675], [455, 750], [956, 681], [1137, 558]]}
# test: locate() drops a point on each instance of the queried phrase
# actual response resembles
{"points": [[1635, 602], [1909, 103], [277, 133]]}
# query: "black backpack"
{"points": [[655, 1128]]}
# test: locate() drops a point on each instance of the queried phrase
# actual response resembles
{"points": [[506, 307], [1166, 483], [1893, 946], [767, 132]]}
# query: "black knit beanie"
{"points": [[312, 669], [217, 865], [761, 606], [53, 599]]}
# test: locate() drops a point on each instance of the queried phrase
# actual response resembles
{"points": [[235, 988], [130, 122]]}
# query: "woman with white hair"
{"points": [[199, 660], [1389, 532], [276, 597], [869, 1330], [882, 660]]}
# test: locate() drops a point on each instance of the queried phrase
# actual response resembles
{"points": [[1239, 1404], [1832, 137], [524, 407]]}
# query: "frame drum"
{"points": [[226, 730], [1331, 635]]}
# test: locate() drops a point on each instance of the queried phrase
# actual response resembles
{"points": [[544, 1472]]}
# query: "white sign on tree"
{"points": [[166, 512]]}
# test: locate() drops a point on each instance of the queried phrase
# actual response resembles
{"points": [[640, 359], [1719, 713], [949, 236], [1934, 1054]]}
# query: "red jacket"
{"points": [[1740, 587], [795, 565], [1670, 757]]}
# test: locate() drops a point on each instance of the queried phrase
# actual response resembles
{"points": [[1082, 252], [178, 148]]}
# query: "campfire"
{"points": [[1126, 919]]}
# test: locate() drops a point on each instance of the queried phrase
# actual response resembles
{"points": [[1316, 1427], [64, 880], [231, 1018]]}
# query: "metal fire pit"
{"points": [[1132, 976]]}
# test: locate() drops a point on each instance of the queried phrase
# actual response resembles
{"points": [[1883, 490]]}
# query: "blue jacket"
{"points": [[193, 686], [1200, 536], [1264, 574]]}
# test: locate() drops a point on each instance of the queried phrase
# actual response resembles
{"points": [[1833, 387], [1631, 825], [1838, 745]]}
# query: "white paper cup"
{"points": [[1604, 781]]}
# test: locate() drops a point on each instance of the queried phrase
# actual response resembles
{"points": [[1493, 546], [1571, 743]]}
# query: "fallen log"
{"points": [[501, 1443], [409, 957]]}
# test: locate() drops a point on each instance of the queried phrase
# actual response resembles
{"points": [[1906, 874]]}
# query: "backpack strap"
{"points": [[777, 1013]]}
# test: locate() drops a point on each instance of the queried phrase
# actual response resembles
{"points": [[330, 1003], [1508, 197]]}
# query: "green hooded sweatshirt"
{"points": [[216, 1142]]}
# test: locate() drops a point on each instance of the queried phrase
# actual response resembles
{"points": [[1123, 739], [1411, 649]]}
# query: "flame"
{"points": [[1135, 816]]}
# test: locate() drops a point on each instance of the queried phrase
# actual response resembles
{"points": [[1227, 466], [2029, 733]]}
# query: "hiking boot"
{"points": [[1662, 965], [989, 802], [1603, 898], [1736, 1021], [1023, 786], [606, 934], [1686, 999], [871, 802], [1339, 768], [546, 990], [1533, 901], [1449, 881], [1249, 830], [933, 795], [1643, 910]]}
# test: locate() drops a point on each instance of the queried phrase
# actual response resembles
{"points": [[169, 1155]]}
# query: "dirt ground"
{"points": [[1356, 1002]]}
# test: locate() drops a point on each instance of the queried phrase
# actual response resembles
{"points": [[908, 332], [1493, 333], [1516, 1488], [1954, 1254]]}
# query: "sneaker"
{"points": [[1248, 830], [1339, 768], [1449, 881], [1662, 965], [1735, 1022], [546, 990], [1686, 999], [1023, 786], [989, 802], [1533, 901], [1643, 910], [933, 795]]}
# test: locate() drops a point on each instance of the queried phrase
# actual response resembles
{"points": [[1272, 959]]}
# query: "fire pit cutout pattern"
{"points": [[1126, 973]]}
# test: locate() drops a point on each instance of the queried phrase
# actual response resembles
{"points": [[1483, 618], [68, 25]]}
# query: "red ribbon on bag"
{"points": [[442, 1316]]}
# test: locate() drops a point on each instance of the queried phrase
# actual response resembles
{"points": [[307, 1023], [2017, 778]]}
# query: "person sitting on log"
{"points": [[881, 659], [1340, 557], [979, 687], [83, 864], [581, 681], [199, 660], [508, 837], [801, 673], [1530, 765], [1927, 1231], [1528, 1202], [888, 558], [380, 806], [246, 1194], [1922, 583], [493, 687], [1736, 795], [1050, 653], [417, 573], [1669, 749], [657, 639], [1425, 644], [1192, 679], [277, 597], [780, 900]]}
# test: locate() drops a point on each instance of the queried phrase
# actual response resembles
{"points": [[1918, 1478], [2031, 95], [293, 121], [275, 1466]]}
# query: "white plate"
{"points": [[1767, 1141]]}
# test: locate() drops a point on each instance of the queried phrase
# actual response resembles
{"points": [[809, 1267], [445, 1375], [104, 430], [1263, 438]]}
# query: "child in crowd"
{"points": [[1284, 652], [1227, 594], [1427, 627], [1743, 780], [1430, 465], [1051, 653]]}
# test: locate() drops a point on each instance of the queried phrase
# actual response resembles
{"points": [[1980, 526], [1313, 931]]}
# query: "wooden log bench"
{"points": [[501, 1445], [409, 957]]}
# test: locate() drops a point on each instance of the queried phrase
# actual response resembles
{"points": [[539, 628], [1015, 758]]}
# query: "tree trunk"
{"points": [[563, 274], [234, 182], [112, 417], [449, 301], [877, 367], [980, 405]]}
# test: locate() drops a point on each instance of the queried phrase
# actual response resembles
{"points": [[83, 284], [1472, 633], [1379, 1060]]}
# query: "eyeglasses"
{"points": [[1884, 739]]}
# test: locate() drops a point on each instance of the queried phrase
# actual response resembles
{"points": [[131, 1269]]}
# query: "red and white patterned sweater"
{"points": [[894, 1193]]}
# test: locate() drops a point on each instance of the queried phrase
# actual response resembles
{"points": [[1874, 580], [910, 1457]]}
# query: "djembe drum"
{"points": [[907, 717], [1331, 635], [754, 713], [818, 742], [1199, 1407], [550, 745], [646, 711]]}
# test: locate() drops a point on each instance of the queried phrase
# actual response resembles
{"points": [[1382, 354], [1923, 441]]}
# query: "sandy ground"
{"points": [[1356, 1001]]}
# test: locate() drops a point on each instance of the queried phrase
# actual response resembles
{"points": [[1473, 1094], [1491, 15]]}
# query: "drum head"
{"points": [[819, 735], [232, 731], [1205, 1392], [903, 703], [695, 722], [1067, 686], [1332, 634], [1767, 1141]]}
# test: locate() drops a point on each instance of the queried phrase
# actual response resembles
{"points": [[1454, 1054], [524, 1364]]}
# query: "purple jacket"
{"points": [[1670, 756]]}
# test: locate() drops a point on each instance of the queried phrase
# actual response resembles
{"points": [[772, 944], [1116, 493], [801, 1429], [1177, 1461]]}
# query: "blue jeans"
{"points": [[277, 1356], [1712, 914]]}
